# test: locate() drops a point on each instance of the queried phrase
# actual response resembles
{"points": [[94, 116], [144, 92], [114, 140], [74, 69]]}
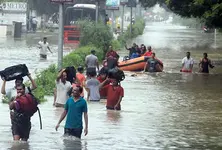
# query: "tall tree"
{"points": [[210, 11]]}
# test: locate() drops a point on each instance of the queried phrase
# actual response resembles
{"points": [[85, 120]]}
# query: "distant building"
{"points": [[13, 11]]}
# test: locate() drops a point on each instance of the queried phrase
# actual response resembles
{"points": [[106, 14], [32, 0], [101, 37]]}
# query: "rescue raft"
{"points": [[136, 64]]}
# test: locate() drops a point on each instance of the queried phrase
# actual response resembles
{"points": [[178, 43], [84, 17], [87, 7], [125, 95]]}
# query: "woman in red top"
{"points": [[114, 93]]}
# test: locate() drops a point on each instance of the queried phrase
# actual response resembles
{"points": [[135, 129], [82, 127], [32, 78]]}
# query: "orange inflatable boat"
{"points": [[136, 64]]}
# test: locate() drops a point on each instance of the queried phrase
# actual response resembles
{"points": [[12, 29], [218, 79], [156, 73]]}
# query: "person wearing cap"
{"points": [[12, 92], [91, 60], [44, 46]]}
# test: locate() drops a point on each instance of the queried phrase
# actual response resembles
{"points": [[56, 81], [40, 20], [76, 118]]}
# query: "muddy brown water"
{"points": [[168, 110]]}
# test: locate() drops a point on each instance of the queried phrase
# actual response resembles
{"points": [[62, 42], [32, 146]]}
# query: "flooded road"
{"points": [[166, 110]]}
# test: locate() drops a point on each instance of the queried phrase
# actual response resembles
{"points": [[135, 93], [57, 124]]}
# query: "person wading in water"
{"points": [[205, 63], [22, 108], [62, 88], [152, 65], [74, 108], [43, 46], [187, 63]]}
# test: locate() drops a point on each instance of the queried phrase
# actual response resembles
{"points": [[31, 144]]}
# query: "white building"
{"points": [[13, 11]]}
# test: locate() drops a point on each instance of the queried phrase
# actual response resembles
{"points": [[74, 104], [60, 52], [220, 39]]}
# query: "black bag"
{"points": [[91, 71], [103, 70], [71, 73], [111, 63], [13, 72], [116, 74]]}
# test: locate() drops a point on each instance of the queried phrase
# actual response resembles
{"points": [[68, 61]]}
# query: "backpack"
{"points": [[116, 74], [29, 105]]}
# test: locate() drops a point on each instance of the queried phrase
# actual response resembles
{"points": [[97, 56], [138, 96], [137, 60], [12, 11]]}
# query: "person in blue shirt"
{"points": [[74, 108], [135, 55]]}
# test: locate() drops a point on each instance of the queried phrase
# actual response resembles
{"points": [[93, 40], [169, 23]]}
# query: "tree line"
{"points": [[209, 11]]}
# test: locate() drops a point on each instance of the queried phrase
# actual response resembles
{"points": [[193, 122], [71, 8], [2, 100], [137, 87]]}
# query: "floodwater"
{"points": [[168, 110]]}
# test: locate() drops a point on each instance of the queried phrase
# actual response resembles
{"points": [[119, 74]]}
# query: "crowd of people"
{"points": [[136, 51], [69, 94]]}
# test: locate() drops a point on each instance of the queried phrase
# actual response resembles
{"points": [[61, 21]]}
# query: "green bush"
{"points": [[97, 37], [45, 79], [116, 44]]}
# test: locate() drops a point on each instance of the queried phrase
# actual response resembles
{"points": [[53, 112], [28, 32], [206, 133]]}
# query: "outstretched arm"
{"points": [[210, 64], [49, 49], [3, 87], [34, 86], [126, 47]]}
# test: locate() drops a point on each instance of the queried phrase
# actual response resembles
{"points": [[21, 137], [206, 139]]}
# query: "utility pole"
{"points": [[97, 10], [131, 4], [113, 19], [122, 24], [131, 19], [61, 32], [61, 29]]}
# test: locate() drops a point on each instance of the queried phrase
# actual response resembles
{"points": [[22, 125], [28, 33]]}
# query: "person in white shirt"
{"points": [[44, 46], [62, 89], [187, 63], [12, 92]]}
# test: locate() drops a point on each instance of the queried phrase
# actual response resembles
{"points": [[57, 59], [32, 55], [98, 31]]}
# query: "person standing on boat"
{"points": [[149, 52], [44, 46], [152, 65], [187, 63], [74, 109], [205, 63]]}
